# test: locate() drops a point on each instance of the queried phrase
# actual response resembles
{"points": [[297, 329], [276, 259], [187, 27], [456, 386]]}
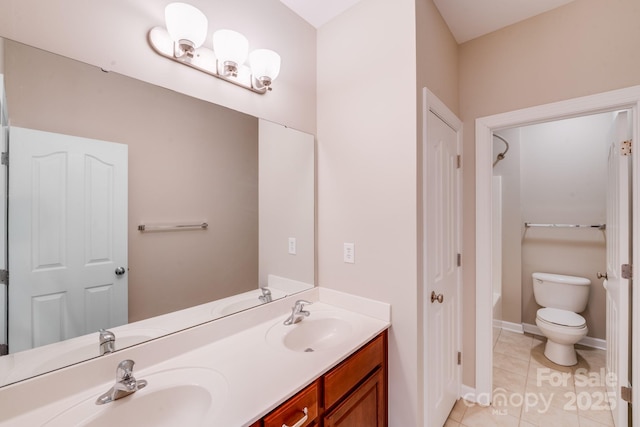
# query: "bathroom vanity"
{"points": [[354, 393], [248, 369]]}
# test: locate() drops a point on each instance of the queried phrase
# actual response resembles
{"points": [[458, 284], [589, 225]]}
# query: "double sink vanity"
{"points": [[326, 366]]}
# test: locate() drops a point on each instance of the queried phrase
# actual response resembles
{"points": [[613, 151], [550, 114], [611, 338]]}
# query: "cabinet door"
{"points": [[364, 407]]}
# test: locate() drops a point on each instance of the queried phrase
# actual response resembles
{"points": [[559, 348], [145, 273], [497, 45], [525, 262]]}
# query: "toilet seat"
{"points": [[565, 318]]}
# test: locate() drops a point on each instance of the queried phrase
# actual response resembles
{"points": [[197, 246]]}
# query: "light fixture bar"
{"points": [[182, 41], [204, 60]]}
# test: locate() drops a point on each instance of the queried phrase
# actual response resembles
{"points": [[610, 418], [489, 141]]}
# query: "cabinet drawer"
{"points": [[292, 411], [353, 370]]}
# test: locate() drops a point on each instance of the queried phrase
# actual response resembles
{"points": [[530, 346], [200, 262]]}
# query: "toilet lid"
{"points": [[561, 317]]}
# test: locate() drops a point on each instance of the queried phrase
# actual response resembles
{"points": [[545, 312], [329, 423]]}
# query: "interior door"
{"points": [[67, 237], [618, 253], [441, 268]]}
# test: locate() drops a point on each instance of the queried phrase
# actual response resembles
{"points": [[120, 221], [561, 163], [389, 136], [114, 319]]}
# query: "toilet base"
{"points": [[560, 354]]}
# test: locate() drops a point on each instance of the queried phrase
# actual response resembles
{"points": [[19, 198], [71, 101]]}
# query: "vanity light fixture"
{"points": [[183, 38]]}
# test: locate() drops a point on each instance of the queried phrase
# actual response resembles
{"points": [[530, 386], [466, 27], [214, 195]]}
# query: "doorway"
{"points": [[550, 196], [607, 102]]}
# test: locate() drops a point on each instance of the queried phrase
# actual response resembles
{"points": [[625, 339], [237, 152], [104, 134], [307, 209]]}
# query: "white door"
{"points": [[441, 269], [3, 242], [618, 253], [67, 237]]}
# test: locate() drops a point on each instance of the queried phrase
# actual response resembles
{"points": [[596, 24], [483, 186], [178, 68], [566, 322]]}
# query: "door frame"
{"points": [[430, 102], [627, 98]]}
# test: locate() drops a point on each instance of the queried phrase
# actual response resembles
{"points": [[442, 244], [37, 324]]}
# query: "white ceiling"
{"points": [[319, 12], [467, 19]]}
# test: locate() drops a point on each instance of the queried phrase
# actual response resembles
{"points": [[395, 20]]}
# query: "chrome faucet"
{"points": [[125, 383], [107, 342], [266, 295], [297, 312]]}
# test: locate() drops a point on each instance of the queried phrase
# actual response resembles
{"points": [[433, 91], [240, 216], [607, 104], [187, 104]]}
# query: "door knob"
{"points": [[120, 271], [436, 297], [601, 276]]}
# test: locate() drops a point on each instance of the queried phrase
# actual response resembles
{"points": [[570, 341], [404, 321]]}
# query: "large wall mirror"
{"points": [[226, 201]]}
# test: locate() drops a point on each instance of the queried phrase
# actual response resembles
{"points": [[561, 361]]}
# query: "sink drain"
{"points": [[308, 350]]}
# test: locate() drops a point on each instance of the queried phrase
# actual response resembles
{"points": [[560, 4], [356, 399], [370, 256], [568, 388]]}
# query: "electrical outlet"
{"points": [[349, 253], [292, 245]]}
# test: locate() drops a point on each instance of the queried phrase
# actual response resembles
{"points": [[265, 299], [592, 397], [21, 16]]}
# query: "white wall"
{"points": [[564, 180], [286, 203], [113, 35], [367, 175]]}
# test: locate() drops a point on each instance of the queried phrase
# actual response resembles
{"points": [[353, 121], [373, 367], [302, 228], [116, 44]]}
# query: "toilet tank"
{"points": [[559, 291]]}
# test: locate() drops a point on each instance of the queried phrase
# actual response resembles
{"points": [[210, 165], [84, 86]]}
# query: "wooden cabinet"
{"points": [[302, 406], [365, 406], [352, 394]]}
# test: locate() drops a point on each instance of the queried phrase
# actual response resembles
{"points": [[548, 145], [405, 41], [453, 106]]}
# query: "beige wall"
{"points": [[436, 56], [189, 160], [113, 36], [583, 48], [436, 69], [367, 166]]}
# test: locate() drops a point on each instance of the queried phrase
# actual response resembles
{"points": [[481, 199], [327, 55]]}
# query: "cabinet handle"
{"points": [[302, 420]]}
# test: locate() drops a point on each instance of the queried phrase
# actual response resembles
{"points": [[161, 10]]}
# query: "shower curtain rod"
{"points": [[597, 226]]}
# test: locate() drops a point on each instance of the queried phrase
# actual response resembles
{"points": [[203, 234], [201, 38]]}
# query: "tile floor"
{"points": [[530, 390]]}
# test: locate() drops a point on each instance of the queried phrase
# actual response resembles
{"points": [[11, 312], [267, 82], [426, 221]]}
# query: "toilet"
{"points": [[562, 298]]}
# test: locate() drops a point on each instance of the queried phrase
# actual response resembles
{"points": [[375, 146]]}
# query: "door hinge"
{"points": [[4, 276], [459, 358], [625, 148], [4, 158], [626, 271], [458, 161], [459, 260], [625, 393]]}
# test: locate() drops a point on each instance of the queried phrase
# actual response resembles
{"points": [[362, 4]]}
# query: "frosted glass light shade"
{"points": [[264, 63], [230, 45], [185, 22]]}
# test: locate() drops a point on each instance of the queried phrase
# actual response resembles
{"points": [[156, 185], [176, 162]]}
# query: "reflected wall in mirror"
{"points": [[189, 161]]}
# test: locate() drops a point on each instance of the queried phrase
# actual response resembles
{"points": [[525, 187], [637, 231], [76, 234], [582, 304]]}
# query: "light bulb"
{"points": [[231, 49], [185, 22], [265, 65]]}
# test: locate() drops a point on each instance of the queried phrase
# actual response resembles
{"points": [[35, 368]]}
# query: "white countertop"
{"points": [[258, 375]]}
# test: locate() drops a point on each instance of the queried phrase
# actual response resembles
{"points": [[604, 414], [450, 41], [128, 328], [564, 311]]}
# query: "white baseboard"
{"points": [[509, 326], [586, 341], [468, 393]]}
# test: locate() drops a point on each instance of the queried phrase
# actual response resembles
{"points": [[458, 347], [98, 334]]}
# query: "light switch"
{"points": [[349, 253], [292, 245]]}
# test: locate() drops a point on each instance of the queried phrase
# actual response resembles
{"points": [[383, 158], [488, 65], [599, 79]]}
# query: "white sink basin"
{"points": [[322, 330], [175, 397]]}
